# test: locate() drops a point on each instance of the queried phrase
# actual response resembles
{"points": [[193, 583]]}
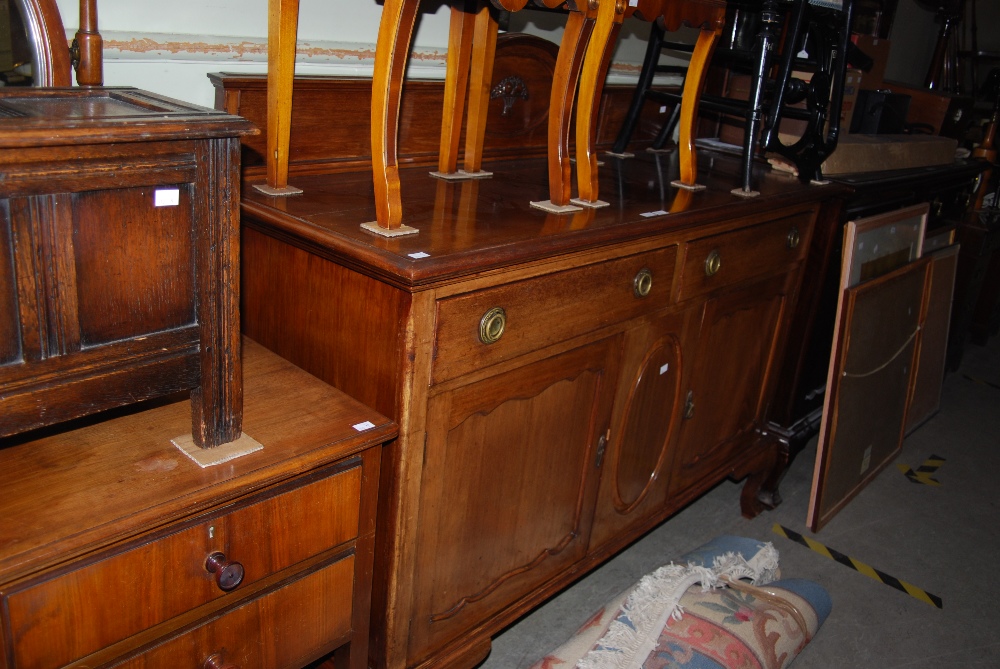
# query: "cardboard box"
{"points": [[876, 153], [877, 49]]}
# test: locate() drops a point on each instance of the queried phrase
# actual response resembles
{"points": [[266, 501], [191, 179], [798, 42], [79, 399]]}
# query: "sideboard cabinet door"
{"points": [[511, 473], [647, 411], [736, 340]]}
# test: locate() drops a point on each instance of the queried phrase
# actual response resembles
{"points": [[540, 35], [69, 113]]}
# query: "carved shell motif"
{"points": [[510, 90]]}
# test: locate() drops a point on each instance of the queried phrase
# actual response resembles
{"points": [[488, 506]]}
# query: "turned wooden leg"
{"points": [[564, 80], [391, 53], [282, 25], [484, 51], [456, 82], [595, 70], [694, 83]]}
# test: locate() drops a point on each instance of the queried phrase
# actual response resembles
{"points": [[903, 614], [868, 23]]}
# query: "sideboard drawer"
{"points": [[488, 326], [147, 584], [303, 619], [733, 257]]}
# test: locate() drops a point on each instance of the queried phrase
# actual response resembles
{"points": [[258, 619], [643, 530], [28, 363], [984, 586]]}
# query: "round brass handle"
{"points": [[643, 282], [215, 661], [228, 574], [492, 325], [713, 263], [793, 238]]}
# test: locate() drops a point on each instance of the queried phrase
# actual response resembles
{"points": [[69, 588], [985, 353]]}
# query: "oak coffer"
{"points": [[119, 257]]}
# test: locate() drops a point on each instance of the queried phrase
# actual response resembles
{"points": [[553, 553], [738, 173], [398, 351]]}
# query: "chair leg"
{"points": [[694, 83], [393, 47], [653, 48], [567, 73], [456, 83], [282, 24], [595, 70], [484, 50], [766, 40]]}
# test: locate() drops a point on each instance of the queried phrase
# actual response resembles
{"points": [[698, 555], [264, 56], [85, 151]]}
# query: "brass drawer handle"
{"points": [[793, 238], [713, 263], [643, 282], [492, 325], [228, 574]]}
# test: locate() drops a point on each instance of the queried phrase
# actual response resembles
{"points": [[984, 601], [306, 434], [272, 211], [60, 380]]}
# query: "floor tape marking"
{"points": [[860, 567]]}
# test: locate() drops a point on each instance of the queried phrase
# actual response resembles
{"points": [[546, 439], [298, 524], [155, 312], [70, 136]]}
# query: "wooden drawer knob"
{"points": [[713, 263], [215, 661], [643, 282], [228, 574], [492, 325]]}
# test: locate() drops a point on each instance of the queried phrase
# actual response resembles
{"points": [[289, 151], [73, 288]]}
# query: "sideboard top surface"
{"points": [[59, 116], [468, 227]]}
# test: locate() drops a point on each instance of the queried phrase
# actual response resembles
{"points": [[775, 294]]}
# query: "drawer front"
{"points": [[534, 313], [733, 257], [59, 619], [287, 627]]}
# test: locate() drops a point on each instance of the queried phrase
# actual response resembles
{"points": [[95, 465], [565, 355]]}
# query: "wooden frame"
{"points": [[53, 58], [876, 345]]}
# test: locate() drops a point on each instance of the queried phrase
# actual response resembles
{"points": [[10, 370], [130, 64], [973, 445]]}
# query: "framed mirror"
{"points": [[36, 29]]}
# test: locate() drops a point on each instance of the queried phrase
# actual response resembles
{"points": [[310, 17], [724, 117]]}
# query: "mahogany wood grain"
{"points": [[301, 618], [54, 621]]}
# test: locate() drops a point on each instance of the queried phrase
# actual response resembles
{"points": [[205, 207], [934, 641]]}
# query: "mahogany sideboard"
{"points": [[117, 549], [119, 257], [562, 383]]}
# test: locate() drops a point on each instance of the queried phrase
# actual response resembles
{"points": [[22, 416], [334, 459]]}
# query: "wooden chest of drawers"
{"points": [[118, 550], [119, 257]]}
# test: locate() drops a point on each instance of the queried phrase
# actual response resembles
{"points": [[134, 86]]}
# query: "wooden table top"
{"points": [[473, 226], [69, 491]]}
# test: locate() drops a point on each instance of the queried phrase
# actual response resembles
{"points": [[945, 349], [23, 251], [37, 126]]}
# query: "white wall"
{"points": [[169, 46]]}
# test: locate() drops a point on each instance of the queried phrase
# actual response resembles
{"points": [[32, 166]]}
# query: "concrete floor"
{"points": [[944, 539]]}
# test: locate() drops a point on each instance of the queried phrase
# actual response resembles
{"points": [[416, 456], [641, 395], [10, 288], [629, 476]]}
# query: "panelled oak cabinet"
{"points": [[562, 383]]}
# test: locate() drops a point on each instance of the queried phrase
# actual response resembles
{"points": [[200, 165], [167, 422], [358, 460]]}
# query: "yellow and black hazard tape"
{"points": [[983, 382], [924, 474], [861, 567]]}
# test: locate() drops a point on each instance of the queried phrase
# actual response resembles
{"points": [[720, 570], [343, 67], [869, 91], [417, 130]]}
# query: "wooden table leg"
{"points": [[282, 25], [575, 38], [595, 69], [391, 53]]}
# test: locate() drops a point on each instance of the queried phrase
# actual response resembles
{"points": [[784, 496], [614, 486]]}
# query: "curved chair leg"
{"points": [[567, 73], [595, 70], [391, 53], [694, 82], [282, 24]]}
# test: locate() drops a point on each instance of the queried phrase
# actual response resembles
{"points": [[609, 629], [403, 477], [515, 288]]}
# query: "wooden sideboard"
{"points": [[563, 383], [119, 550]]}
